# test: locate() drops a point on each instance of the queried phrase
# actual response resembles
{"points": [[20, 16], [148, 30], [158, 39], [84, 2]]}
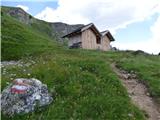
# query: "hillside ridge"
{"points": [[58, 28]]}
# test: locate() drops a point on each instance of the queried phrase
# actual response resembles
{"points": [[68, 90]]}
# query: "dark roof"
{"points": [[94, 29], [104, 32], [108, 34], [81, 29]]}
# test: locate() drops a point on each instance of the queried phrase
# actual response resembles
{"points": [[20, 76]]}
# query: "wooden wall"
{"points": [[105, 43], [89, 40]]}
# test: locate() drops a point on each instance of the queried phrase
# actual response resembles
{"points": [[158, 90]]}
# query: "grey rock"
{"points": [[19, 14], [63, 28], [23, 96]]}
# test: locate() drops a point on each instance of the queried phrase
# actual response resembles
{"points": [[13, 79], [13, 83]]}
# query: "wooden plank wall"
{"points": [[89, 40], [105, 43]]}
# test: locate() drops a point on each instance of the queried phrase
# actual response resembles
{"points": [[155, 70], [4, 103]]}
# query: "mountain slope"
{"points": [[19, 40], [23, 35], [52, 29], [81, 81]]}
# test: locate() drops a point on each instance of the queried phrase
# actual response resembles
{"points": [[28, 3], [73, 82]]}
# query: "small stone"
{"points": [[130, 114], [125, 76], [147, 94]]}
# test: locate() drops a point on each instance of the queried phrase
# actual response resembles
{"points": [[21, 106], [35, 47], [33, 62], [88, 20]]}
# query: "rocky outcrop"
{"points": [[63, 28], [19, 14]]}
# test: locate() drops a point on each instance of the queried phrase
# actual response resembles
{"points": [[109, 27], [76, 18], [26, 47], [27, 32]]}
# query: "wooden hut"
{"points": [[88, 37]]}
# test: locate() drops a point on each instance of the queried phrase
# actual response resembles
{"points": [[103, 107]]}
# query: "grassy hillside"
{"points": [[19, 39], [83, 86], [82, 82], [25, 18]]}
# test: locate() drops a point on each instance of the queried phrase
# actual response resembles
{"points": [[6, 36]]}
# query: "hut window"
{"points": [[98, 40]]}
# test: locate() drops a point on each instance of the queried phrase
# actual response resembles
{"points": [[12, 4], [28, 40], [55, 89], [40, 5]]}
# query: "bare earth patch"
{"points": [[138, 93]]}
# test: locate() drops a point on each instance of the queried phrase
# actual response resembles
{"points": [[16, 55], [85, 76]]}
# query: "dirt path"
{"points": [[138, 93]]}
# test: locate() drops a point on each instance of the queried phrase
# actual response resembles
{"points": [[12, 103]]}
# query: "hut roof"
{"points": [[93, 28], [83, 28], [108, 34]]}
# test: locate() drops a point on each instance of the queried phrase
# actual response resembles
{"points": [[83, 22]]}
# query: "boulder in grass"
{"points": [[23, 96]]}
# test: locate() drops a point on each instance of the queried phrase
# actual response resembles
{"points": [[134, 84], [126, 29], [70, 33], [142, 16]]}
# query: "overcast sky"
{"points": [[135, 24]]}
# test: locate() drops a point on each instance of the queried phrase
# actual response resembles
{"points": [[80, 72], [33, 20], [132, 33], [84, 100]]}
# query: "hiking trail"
{"points": [[138, 93]]}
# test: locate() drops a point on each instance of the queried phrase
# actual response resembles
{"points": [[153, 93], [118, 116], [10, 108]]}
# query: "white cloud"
{"points": [[110, 14], [25, 8], [52, 15], [155, 30], [151, 45]]}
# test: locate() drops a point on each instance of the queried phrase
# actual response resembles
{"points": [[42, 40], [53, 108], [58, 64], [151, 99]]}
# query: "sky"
{"points": [[135, 24]]}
